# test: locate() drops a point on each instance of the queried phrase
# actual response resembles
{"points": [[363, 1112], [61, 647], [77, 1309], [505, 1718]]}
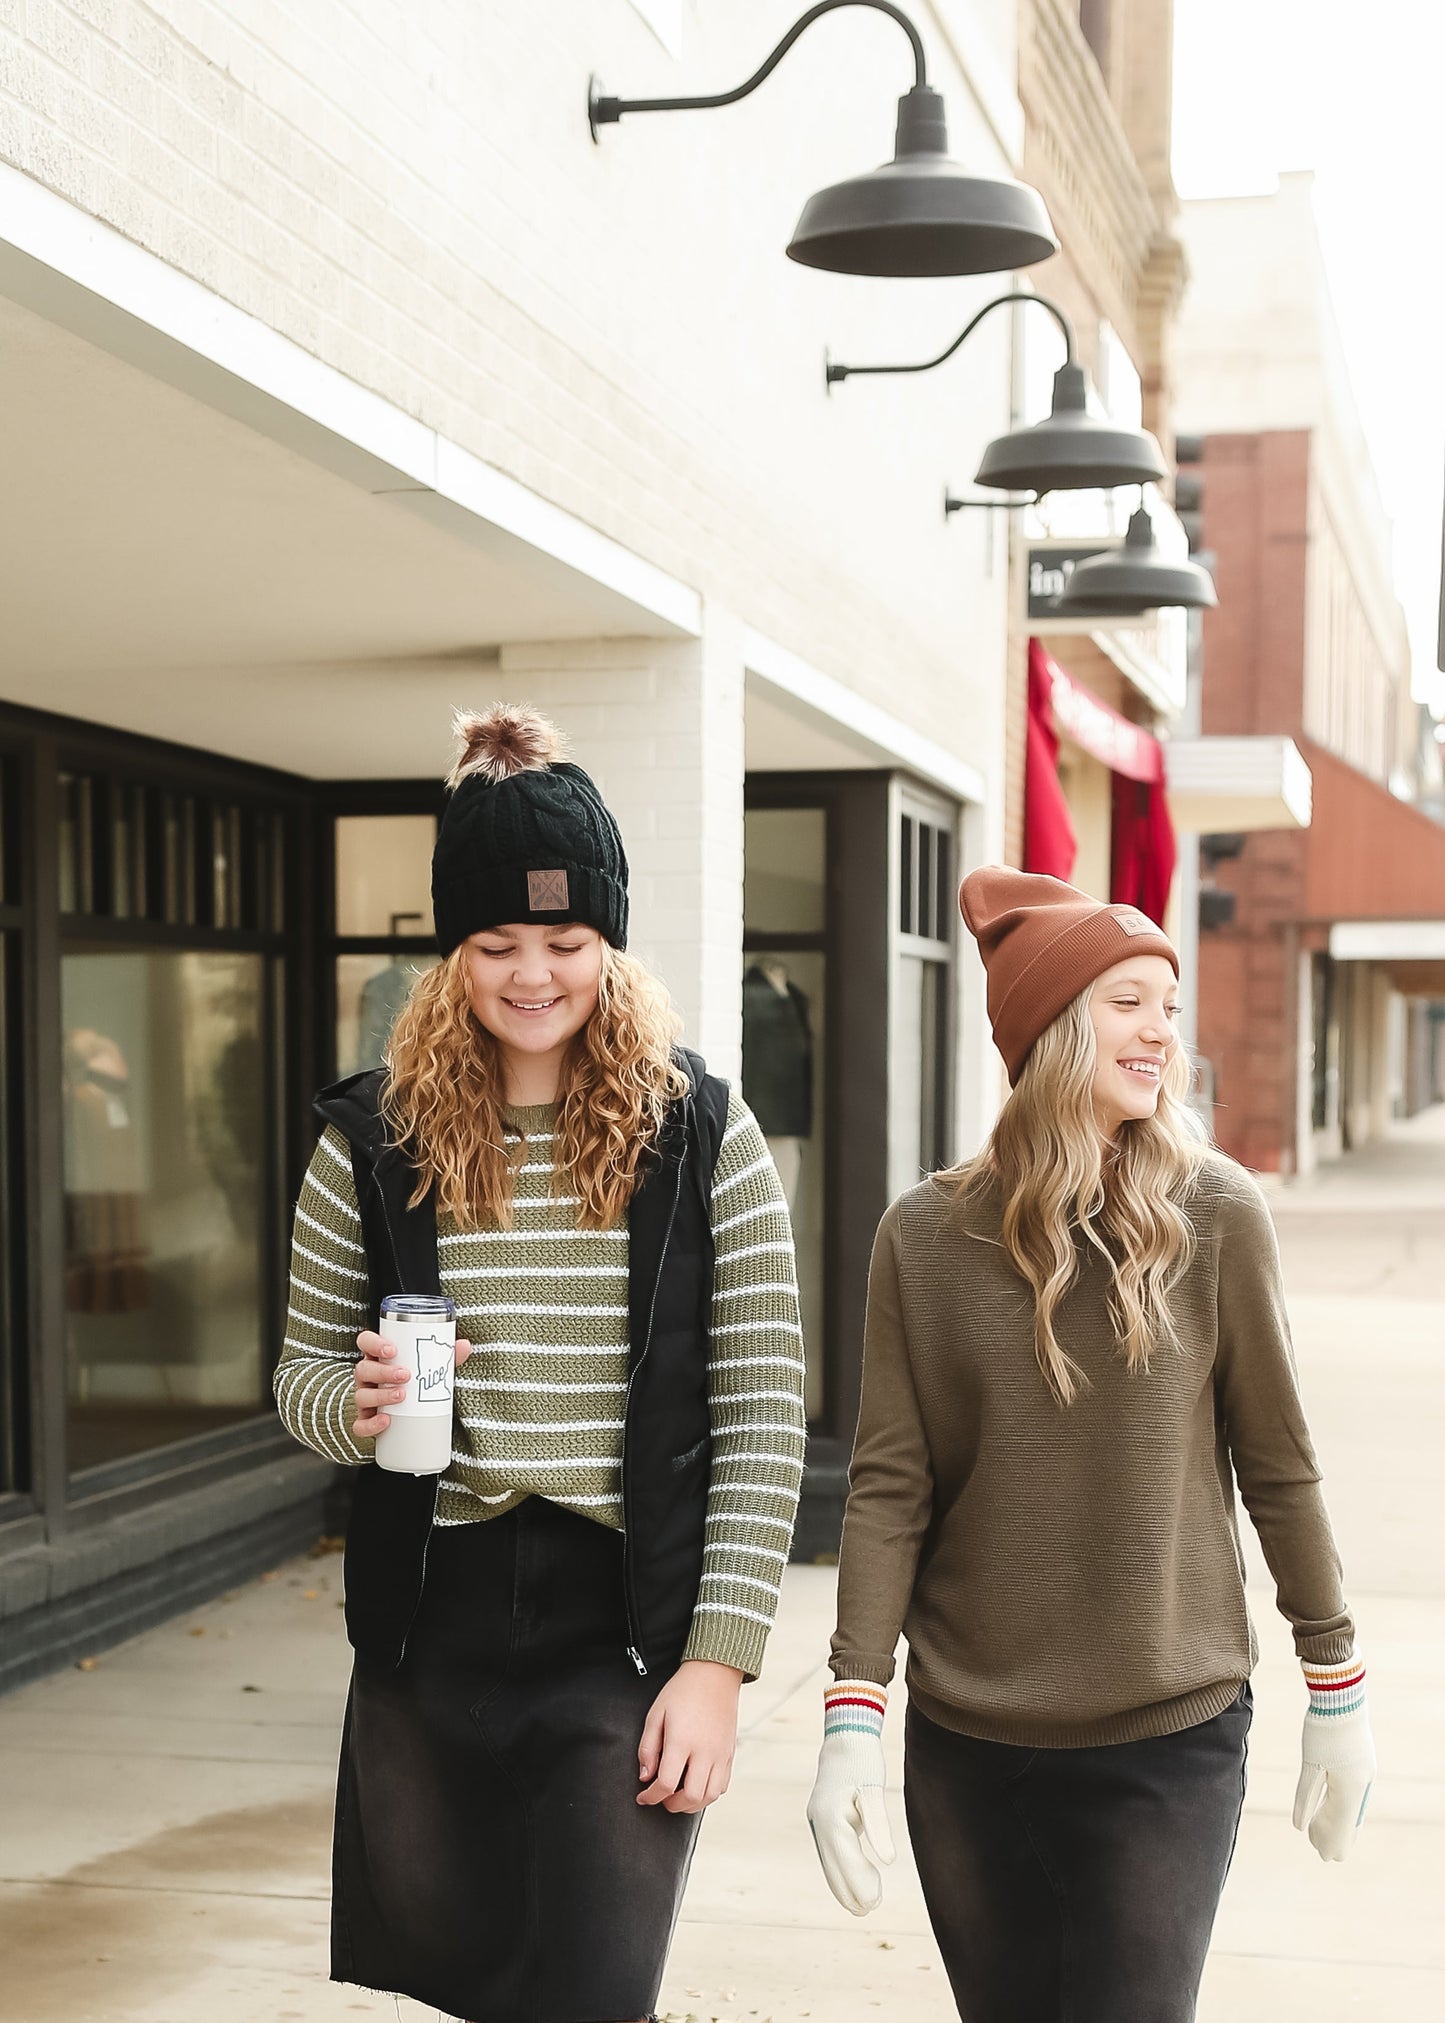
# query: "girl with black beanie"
{"points": [[550, 1636]]}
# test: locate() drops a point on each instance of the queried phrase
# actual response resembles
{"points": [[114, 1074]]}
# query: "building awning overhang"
{"points": [[213, 536], [1410, 952], [1371, 859], [1230, 785]]}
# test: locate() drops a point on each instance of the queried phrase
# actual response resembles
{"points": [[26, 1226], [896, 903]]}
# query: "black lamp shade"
{"points": [[1071, 451], [1128, 581], [921, 213]]}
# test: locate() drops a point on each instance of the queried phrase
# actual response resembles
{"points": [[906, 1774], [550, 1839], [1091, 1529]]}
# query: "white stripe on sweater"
{"points": [[348, 1208], [777, 1208], [605, 1463], [743, 1580], [348, 1271], [727, 1609], [529, 1236], [309, 1349], [335, 1299], [611, 1313], [339, 1156], [459, 1272], [542, 1425], [324, 1229], [520, 1384], [327, 1327], [748, 1173]]}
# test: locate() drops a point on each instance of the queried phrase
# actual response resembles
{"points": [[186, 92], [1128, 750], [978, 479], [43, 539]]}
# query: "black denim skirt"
{"points": [[1075, 1885], [490, 1857]]}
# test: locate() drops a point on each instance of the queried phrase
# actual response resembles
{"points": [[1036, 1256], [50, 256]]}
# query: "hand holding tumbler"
{"points": [[423, 1331]]}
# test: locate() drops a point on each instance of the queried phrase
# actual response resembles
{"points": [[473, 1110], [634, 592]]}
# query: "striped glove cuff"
{"points": [[1335, 1690], [854, 1707]]}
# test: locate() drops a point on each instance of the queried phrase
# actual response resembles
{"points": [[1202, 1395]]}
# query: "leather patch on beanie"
{"points": [[547, 891], [1135, 923]]}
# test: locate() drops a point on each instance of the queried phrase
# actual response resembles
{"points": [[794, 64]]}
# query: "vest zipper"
{"points": [[436, 1480], [634, 1647]]}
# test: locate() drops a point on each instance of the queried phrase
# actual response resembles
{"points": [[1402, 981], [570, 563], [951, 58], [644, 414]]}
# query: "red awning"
{"points": [[1122, 746], [1050, 843], [1369, 855]]}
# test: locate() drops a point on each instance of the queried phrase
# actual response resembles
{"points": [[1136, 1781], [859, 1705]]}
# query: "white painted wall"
{"points": [[413, 196]]}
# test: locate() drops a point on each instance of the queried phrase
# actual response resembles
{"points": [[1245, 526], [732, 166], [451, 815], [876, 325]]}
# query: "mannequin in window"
{"points": [[778, 1065], [382, 999]]}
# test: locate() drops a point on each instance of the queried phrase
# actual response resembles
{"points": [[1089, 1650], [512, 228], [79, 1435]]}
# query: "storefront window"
{"points": [[383, 875], [13, 1469], [383, 901], [785, 1036], [918, 1135], [370, 992], [164, 1217]]}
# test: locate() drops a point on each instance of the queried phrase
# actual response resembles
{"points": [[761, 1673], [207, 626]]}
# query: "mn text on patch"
{"points": [[547, 891]]}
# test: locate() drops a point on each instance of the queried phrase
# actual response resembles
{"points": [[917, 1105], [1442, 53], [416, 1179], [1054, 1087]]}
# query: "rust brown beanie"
{"points": [[1043, 942]]}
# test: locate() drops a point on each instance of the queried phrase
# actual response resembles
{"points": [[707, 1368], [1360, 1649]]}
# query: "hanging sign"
{"points": [[1050, 569]]}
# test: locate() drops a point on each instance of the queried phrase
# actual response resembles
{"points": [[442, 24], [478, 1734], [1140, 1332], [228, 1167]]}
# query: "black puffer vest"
{"points": [[666, 1442]]}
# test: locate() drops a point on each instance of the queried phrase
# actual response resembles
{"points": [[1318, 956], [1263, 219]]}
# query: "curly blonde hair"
{"points": [[1060, 1177], [444, 1095]]}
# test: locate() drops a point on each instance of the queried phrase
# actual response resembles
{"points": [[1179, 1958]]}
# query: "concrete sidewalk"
{"points": [[165, 1817]]}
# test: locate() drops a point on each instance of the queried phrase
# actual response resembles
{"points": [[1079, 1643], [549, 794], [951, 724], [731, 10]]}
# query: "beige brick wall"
{"points": [[412, 194]]}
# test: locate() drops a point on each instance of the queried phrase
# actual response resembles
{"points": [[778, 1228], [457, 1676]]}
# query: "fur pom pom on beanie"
{"points": [[525, 835]]}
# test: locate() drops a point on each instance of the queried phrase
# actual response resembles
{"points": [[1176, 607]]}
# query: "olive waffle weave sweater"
{"points": [[1071, 1575], [540, 1400]]}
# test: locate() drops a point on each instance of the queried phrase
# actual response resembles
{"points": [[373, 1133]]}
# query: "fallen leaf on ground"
{"points": [[86, 1664]]}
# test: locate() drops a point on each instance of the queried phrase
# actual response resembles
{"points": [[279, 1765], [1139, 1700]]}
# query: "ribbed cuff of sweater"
{"points": [[846, 1665], [728, 1640]]}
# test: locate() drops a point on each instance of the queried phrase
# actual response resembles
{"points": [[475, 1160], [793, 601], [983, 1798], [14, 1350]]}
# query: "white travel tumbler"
{"points": [[424, 1330]]}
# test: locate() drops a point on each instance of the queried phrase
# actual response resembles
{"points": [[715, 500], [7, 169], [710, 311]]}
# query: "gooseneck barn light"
{"points": [[1069, 451], [1125, 582], [920, 214]]}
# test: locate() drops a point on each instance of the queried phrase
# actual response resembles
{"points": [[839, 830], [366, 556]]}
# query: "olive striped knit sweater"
{"points": [[540, 1401]]}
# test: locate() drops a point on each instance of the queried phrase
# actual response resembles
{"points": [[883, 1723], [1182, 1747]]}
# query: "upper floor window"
{"points": [[1095, 18]]}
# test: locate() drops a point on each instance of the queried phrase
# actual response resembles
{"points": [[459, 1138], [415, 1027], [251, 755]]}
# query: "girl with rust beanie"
{"points": [[1076, 1345], [551, 1635]]}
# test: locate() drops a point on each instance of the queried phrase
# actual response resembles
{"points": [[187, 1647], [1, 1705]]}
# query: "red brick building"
{"points": [[1303, 998]]}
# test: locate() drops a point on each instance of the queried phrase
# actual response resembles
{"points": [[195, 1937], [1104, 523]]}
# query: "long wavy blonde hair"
{"points": [[1061, 1178], [444, 1095]]}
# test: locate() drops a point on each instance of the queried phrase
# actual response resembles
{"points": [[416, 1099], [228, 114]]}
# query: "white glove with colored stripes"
{"points": [[1339, 1758], [847, 1811]]}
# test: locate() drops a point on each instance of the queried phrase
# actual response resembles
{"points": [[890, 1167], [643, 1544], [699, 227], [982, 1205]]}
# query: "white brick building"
{"points": [[350, 381]]}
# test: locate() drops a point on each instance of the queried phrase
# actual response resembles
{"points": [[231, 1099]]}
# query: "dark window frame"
{"points": [[41, 748], [336, 798]]}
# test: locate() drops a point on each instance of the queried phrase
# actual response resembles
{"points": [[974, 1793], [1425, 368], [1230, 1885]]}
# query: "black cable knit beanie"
{"points": [[525, 835]]}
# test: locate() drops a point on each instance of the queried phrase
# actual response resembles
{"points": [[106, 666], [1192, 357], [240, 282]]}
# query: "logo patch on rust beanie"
{"points": [[547, 891], [1135, 923]]}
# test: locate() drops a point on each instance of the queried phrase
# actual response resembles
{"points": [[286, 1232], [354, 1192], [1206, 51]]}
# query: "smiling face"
{"points": [[1132, 1007], [534, 988]]}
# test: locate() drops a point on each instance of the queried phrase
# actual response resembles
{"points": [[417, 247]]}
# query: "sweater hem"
{"points": [[1136, 1724]]}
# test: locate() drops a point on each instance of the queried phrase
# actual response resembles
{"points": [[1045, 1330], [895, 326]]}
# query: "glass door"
{"points": [[785, 994]]}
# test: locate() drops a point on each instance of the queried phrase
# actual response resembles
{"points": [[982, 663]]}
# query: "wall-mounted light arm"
{"points": [[920, 214], [835, 374], [606, 111]]}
